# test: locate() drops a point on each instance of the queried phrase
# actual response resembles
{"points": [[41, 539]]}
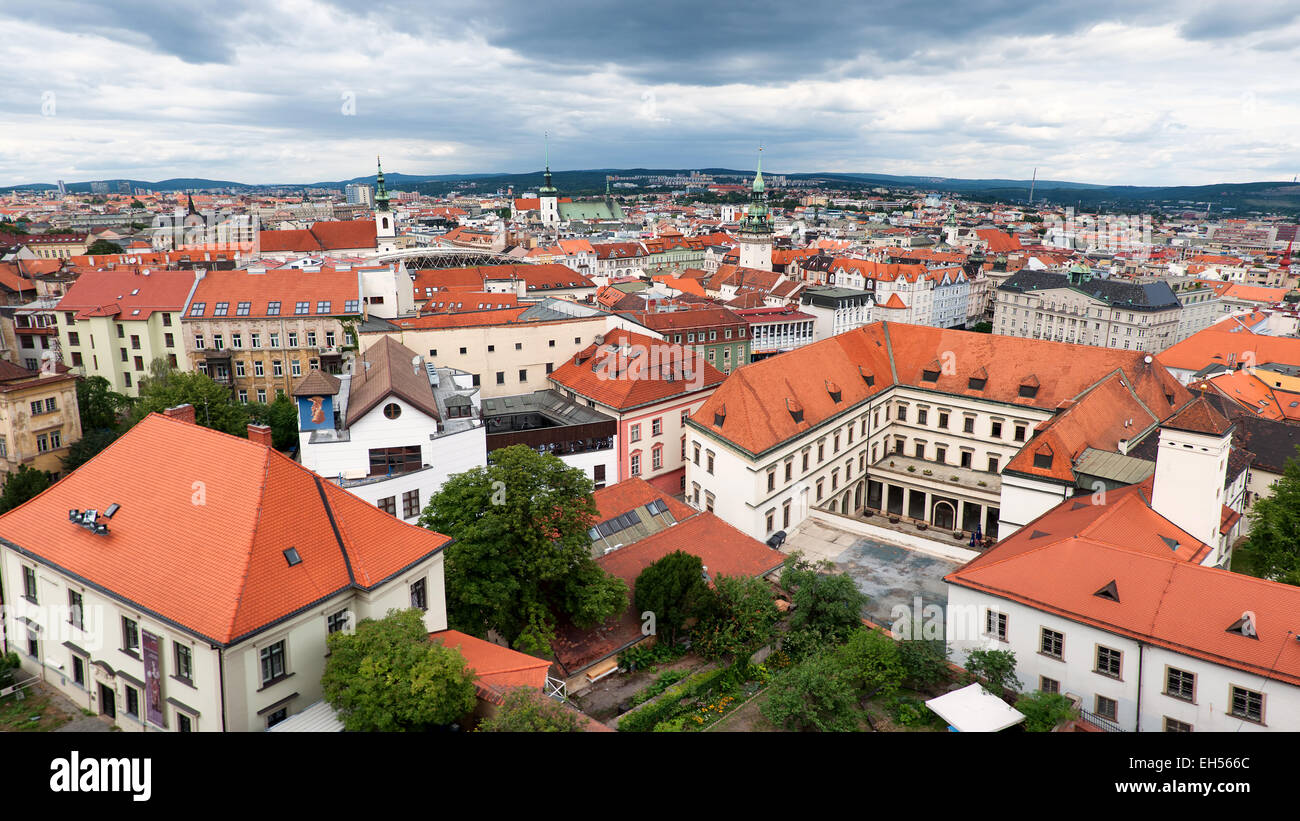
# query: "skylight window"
{"points": [[352, 306], [198, 308], [292, 557], [323, 307], [302, 308], [221, 309], [273, 308], [243, 308]]}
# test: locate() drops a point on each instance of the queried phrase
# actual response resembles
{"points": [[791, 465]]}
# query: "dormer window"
{"points": [[1029, 387], [867, 376], [795, 409], [978, 380], [719, 416], [1043, 457], [833, 390], [931, 372]]}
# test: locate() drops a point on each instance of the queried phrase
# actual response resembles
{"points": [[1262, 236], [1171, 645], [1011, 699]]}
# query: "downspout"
{"points": [[1138, 724], [221, 683]]}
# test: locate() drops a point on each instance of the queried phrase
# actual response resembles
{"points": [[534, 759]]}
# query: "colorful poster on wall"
{"points": [[152, 679]]}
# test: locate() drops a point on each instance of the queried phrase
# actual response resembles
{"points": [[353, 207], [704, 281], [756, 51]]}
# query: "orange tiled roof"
{"points": [[128, 294], [496, 669], [1058, 562], [862, 363], [610, 374], [288, 286], [216, 569], [321, 236]]}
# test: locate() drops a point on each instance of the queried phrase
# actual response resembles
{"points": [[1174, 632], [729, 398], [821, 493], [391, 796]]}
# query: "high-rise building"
{"points": [[359, 194]]}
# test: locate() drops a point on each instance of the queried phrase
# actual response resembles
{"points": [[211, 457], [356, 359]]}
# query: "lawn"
{"points": [[35, 713]]}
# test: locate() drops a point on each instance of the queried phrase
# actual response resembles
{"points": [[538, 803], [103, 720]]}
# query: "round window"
{"points": [[392, 410]]}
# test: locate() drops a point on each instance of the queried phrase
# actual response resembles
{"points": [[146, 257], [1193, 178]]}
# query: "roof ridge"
{"points": [[252, 544]]}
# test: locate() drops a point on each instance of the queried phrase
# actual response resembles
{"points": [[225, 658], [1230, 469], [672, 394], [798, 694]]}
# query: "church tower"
{"points": [[385, 222], [755, 234], [547, 195], [950, 228]]}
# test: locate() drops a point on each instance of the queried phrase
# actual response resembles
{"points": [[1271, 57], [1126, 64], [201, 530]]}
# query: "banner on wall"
{"points": [[152, 679]]}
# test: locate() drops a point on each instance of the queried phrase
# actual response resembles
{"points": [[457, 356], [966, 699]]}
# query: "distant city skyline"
{"points": [[312, 90]]}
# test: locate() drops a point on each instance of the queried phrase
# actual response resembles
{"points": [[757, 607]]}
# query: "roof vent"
{"points": [[89, 519], [1079, 506], [1245, 626], [1038, 534], [867, 376], [1110, 591], [292, 557], [1172, 544]]}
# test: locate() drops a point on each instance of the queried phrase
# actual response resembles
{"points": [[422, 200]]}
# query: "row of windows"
{"points": [[519, 346], [273, 340], [1179, 684], [713, 336], [324, 306]]}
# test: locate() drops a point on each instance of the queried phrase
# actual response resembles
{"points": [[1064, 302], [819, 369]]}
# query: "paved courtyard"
{"points": [[890, 574]]}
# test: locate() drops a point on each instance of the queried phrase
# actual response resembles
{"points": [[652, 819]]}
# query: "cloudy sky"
{"points": [[308, 90]]}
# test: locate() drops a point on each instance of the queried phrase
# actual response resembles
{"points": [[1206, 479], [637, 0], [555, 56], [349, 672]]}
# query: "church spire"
{"points": [[547, 189], [381, 193], [758, 177]]}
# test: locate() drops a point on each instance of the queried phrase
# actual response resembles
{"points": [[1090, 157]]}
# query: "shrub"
{"points": [[910, 712], [1043, 711], [669, 705], [995, 669], [816, 695]]}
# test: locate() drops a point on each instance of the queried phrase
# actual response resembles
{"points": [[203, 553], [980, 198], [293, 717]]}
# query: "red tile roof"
{"points": [[496, 669], [629, 370], [333, 235], [756, 418], [110, 293], [1166, 598], [288, 286], [215, 567]]}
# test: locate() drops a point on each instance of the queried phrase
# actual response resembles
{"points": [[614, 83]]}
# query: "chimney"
{"points": [[261, 434], [185, 413]]}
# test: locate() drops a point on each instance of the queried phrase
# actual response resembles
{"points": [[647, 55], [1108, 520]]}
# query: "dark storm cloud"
{"points": [[196, 32], [764, 41]]}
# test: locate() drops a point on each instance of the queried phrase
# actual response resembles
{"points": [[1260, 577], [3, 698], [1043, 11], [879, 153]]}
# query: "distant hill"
{"points": [[1283, 197]]}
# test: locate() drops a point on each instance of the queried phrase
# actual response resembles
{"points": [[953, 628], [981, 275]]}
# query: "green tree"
{"points": [[282, 416], [87, 447], [100, 406], [995, 669], [21, 485], [103, 246], [389, 676], [872, 663], [137, 204], [815, 695], [740, 618], [925, 662], [521, 561], [1043, 711], [214, 406], [1273, 548], [525, 710], [674, 589], [983, 328], [829, 602]]}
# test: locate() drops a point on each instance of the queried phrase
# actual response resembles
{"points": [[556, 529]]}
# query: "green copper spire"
{"points": [[756, 220], [381, 193], [547, 189]]}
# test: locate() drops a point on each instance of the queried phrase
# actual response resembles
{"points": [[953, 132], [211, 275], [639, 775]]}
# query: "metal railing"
{"points": [[1100, 723]]}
